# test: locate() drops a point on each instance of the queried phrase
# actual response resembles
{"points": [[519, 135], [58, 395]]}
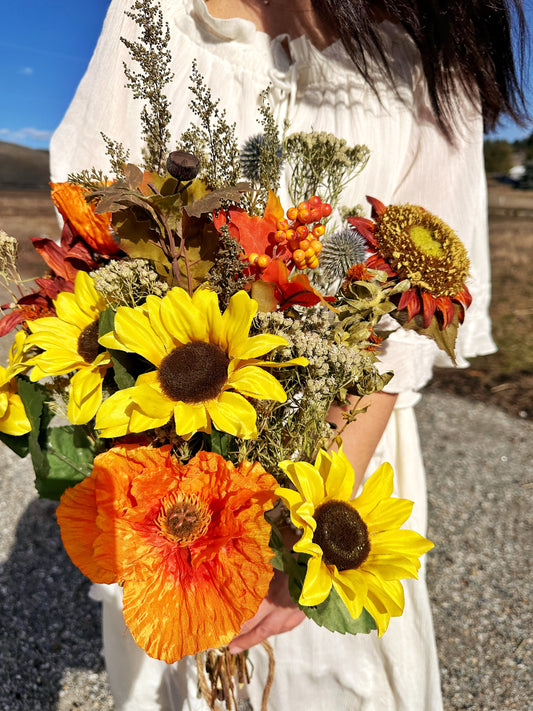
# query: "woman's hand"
{"points": [[276, 614]]}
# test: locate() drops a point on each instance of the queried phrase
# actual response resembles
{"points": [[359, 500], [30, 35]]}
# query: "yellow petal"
{"points": [[231, 413], [181, 318], [257, 383], [403, 542], [152, 307], [190, 418], [258, 345], [306, 478], [384, 599], [207, 302], [388, 514], [113, 416], [236, 322], [89, 301], [317, 583], [68, 311], [14, 420], [283, 364], [339, 476], [379, 486], [152, 402], [352, 588], [392, 567], [85, 395], [135, 334]]}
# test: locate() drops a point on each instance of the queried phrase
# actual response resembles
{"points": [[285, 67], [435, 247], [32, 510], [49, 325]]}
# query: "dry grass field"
{"points": [[504, 379]]}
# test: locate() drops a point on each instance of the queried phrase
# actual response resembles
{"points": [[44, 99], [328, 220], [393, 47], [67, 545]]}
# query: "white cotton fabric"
{"points": [[411, 161]]}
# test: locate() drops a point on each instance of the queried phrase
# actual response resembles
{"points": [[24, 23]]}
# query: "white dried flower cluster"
{"points": [[8, 251], [332, 365], [128, 282]]}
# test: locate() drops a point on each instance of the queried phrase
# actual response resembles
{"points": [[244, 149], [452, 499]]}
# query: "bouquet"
{"points": [[173, 372]]}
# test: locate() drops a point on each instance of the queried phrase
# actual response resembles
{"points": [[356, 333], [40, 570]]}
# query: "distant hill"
{"points": [[23, 168]]}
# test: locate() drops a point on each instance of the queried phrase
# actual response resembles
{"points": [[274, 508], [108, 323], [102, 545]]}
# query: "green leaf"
{"points": [[218, 442], [61, 456], [67, 460], [19, 444], [334, 616]]}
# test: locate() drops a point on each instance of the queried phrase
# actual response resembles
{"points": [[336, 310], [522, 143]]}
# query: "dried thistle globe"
{"points": [[355, 545], [206, 366], [341, 251], [252, 156]]}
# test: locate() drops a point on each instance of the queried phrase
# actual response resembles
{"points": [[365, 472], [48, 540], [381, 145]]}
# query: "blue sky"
{"points": [[45, 46]]}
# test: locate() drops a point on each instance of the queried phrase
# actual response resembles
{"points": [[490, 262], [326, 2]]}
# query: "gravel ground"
{"points": [[480, 481]]}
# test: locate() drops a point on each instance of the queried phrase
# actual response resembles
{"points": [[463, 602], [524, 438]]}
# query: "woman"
{"points": [[405, 78]]}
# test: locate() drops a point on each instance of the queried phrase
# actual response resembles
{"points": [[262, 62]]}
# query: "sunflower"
{"points": [[407, 242], [355, 544], [189, 543], [70, 342], [13, 419], [200, 356]]}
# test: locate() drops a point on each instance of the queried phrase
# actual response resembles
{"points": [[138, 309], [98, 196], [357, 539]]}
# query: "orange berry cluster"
{"points": [[293, 231], [303, 240]]}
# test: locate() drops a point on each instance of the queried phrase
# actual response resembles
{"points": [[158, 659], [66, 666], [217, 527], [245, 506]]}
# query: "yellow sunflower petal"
{"points": [[379, 486], [388, 514], [85, 395], [68, 311], [182, 319], [153, 311], [113, 416], [392, 567], [135, 334], [403, 542], [89, 301], [14, 420], [384, 600], [190, 418], [233, 414], [306, 478], [152, 403], [338, 474], [257, 346], [257, 383], [207, 302], [317, 583], [282, 364], [236, 322], [4, 400], [352, 588]]}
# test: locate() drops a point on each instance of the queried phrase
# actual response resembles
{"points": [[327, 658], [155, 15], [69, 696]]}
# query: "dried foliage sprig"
{"points": [[152, 54], [213, 139], [321, 163]]}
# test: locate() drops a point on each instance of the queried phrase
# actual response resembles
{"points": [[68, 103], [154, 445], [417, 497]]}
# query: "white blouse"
{"points": [[411, 161]]}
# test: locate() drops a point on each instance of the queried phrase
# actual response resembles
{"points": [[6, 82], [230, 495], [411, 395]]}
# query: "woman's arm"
{"points": [[278, 613]]}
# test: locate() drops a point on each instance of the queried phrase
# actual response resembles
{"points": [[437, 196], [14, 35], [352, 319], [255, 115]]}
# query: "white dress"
{"points": [[410, 161]]}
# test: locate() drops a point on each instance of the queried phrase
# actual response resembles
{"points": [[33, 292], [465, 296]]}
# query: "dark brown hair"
{"points": [[464, 45]]}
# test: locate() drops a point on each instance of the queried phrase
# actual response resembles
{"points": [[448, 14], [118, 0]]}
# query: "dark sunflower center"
{"points": [[88, 346], [194, 372], [342, 535]]}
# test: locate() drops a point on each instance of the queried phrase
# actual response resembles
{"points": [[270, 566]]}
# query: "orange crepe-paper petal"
{"points": [[185, 589], [95, 229]]}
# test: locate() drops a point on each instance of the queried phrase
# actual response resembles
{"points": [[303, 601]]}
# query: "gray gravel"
{"points": [[480, 487]]}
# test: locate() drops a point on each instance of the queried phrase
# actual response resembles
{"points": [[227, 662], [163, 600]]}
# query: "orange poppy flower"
{"points": [[94, 229], [189, 543]]}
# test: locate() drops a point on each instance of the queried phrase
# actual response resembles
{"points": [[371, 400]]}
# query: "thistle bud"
{"points": [[182, 165]]}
